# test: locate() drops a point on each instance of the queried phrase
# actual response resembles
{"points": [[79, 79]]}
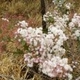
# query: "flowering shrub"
{"points": [[47, 49], [44, 47]]}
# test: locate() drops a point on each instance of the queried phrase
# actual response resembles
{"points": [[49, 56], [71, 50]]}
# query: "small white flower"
{"points": [[69, 76], [68, 5], [5, 19], [30, 64], [23, 24], [71, 25], [77, 33]]}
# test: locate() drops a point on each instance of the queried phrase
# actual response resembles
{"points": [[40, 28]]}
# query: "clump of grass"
{"points": [[16, 7], [20, 7], [12, 67], [29, 10]]}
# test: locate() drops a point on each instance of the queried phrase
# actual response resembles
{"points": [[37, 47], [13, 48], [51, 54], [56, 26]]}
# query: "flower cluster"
{"points": [[56, 67], [75, 26], [45, 50], [75, 22], [23, 24], [61, 22], [48, 17], [68, 5], [59, 3], [5, 19], [44, 43], [63, 6]]}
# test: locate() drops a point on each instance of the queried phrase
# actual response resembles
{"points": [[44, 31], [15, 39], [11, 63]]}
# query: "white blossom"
{"points": [[68, 5], [5, 19], [23, 24], [55, 67], [48, 16]]}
